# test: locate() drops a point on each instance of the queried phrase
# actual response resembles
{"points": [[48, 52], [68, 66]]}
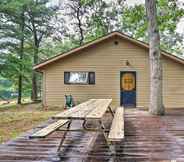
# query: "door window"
{"points": [[128, 82]]}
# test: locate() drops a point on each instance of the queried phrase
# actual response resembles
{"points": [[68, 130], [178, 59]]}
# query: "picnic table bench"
{"points": [[117, 128], [92, 109], [49, 129]]}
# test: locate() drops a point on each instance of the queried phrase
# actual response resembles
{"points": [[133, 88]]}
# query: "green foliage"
{"points": [[134, 22], [51, 48], [104, 18], [24, 23]]}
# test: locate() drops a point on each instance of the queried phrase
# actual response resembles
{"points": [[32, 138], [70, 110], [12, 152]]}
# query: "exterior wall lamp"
{"points": [[127, 63]]}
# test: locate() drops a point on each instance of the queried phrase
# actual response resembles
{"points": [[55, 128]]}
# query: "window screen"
{"points": [[79, 77]]}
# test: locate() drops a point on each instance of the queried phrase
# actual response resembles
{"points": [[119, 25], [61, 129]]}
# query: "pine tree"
{"points": [[12, 38], [39, 15]]}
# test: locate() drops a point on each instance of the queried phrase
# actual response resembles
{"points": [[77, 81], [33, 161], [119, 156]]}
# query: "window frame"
{"points": [[88, 79]]}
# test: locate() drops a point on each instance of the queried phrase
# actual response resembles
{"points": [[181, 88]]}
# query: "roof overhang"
{"points": [[51, 60]]}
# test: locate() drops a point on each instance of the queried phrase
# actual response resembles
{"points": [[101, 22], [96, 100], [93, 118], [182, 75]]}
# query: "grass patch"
{"points": [[16, 119]]}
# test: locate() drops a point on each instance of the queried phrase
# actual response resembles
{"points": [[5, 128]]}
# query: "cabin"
{"points": [[114, 66]]}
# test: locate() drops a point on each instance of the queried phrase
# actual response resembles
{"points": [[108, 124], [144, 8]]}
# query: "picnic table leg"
{"points": [[84, 124], [103, 129], [64, 135], [110, 109], [112, 146]]}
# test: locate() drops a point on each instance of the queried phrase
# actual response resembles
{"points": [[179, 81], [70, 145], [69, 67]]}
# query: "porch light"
{"points": [[127, 63]]}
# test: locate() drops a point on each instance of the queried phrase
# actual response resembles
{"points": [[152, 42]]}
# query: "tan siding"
{"points": [[107, 60], [173, 84]]}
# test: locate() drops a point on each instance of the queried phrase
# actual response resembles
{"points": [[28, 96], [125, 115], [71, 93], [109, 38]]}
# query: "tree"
{"points": [[52, 47], [76, 12], [39, 17], [12, 31], [134, 22], [98, 22], [22, 26], [156, 103], [87, 20]]}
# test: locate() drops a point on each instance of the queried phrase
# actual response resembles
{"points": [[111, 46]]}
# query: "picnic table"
{"points": [[93, 109]]}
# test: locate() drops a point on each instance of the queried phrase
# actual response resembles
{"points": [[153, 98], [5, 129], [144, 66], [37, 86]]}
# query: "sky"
{"points": [[133, 2]]}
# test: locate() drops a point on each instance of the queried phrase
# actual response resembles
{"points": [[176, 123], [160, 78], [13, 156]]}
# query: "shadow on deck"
{"points": [[147, 138]]}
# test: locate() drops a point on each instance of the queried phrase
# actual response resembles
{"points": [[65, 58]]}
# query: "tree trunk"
{"points": [[80, 24], [156, 102], [19, 99], [34, 95]]}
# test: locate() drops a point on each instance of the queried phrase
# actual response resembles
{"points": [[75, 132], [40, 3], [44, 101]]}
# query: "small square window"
{"points": [[91, 76]]}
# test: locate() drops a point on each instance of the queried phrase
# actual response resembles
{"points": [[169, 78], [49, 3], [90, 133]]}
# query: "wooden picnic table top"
{"points": [[91, 109]]}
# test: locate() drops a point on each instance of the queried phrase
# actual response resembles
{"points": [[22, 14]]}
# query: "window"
{"points": [[79, 77]]}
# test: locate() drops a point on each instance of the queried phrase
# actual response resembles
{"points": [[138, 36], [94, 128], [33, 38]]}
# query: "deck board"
{"points": [[147, 138]]}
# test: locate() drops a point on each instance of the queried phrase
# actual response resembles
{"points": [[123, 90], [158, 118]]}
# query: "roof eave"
{"points": [[40, 66]]}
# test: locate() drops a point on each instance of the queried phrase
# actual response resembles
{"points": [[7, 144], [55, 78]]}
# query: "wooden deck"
{"points": [[147, 138]]}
